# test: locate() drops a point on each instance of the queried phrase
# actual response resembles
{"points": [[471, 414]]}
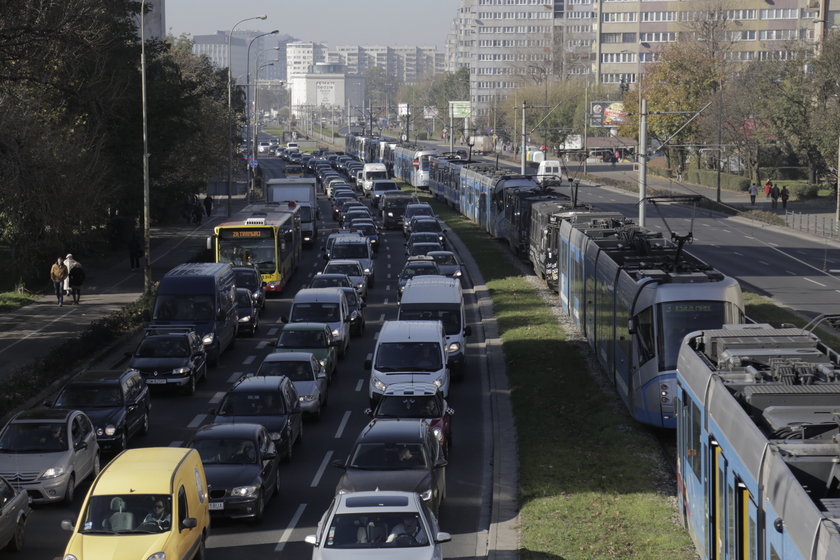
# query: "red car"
{"points": [[418, 400]]}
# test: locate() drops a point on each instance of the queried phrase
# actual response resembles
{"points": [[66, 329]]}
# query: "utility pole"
{"points": [[524, 140], [407, 121], [643, 157]]}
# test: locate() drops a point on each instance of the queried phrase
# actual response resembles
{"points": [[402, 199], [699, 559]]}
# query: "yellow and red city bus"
{"points": [[267, 237]]}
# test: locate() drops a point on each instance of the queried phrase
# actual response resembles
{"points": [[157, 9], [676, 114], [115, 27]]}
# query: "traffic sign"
{"points": [[254, 163]]}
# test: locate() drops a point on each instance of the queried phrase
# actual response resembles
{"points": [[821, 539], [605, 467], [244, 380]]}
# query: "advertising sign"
{"points": [[402, 109], [606, 113], [430, 112], [460, 109], [324, 93]]}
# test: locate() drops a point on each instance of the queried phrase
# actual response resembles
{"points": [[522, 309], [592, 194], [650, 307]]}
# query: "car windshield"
{"points": [[302, 339], [408, 356], [244, 403], [419, 211], [243, 299], [110, 514], [373, 175], [382, 187], [423, 237], [379, 529], [90, 396], [296, 371], [182, 307], [247, 279], [163, 347], [419, 270], [350, 251], [388, 456], [445, 259], [396, 202], [225, 451], [409, 406], [451, 318], [367, 229], [317, 312], [322, 281], [418, 249], [350, 269], [426, 226], [34, 437]]}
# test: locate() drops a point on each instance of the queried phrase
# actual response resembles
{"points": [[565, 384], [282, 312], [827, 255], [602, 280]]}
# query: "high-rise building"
{"points": [[302, 56], [269, 48]]}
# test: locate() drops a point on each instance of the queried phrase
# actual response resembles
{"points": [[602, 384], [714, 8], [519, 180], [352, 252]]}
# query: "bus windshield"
{"points": [[249, 251], [678, 318]]}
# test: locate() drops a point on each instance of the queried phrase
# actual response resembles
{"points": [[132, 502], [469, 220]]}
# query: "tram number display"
{"points": [[262, 233], [688, 308]]}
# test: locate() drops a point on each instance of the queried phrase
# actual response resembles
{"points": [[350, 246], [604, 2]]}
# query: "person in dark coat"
{"points": [[76, 275], [208, 204], [135, 250]]}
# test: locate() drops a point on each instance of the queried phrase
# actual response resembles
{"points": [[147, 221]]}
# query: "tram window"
{"points": [[731, 519], [753, 548], [695, 439], [773, 554], [644, 335]]}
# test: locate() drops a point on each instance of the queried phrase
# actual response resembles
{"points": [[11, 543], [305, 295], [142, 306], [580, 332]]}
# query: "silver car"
{"points": [[378, 524], [353, 269], [48, 452], [307, 375], [14, 512]]}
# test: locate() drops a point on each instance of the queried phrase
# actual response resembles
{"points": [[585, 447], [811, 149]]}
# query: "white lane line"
{"points": [[262, 344], [737, 253], [385, 301], [343, 424], [249, 360], [197, 421], [289, 528], [272, 331], [234, 377], [706, 225], [792, 273], [814, 282], [320, 472], [387, 287], [362, 381], [388, 276], [773, 244], [727, 231], [388, 266], [389, 255], [217, 397], [381, 317], [176, 443], [838, 291], [765, 263], [279, 321], [376, 335]]}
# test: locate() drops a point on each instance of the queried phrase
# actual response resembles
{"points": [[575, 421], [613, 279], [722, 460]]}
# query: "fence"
{"points": [[821, 225]]}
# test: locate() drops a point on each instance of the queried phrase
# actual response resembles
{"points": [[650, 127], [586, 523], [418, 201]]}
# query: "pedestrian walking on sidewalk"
{"points": [[58, 273], [208, 204], [76, 276], [753, 190], [774, 196], [785, 195], [135, 250], [69, 262], [768, 186]]}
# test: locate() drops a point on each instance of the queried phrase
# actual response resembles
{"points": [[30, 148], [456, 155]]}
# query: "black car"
{"points": [[117, 402], [249, 277], [357, 311], [248, 311], [331, 281], [401, 454], [240, 462], [269, 401], [171, 356]]}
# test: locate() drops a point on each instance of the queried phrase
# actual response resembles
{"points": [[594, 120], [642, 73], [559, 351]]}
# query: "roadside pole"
{"points": [[643, 156]]}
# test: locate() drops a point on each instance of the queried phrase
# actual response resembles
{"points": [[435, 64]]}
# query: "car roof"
{"points": [[259, 383], [101, 376], [238, 430], [318, 295], [43, 414], [377, 501], [342, 261], [432, 253], [410, 331], [307, 326], [288, 357], [402, 389], [393, 430], [155, 464]]}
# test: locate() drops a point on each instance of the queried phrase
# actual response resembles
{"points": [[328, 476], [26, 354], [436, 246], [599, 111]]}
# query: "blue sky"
{"points": [[334, 22]]}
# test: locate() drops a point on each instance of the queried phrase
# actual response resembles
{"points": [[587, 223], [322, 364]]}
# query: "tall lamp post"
{"points": [[256, 102], [545, 80], [229, 117], [248, 86], [147, 235]]}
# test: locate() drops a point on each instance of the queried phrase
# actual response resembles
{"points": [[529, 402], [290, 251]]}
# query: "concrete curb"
{"points": [[498, 536]]}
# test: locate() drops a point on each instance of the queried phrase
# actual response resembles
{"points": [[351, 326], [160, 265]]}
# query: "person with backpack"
{"points": [[774, 196], [785, 195], [76, 275]]}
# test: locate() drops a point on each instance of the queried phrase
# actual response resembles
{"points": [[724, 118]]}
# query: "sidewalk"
{"points": [[33, 331]]}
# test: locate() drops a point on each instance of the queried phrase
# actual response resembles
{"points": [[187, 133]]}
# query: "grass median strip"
{"points": [[592, 481]]}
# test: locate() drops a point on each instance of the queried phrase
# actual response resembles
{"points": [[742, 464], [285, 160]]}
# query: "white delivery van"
{"points": [[324, 305], [370, 173], [408, 352], [550, 172], [439, 298]]}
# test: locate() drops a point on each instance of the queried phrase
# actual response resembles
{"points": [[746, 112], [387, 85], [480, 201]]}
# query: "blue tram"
{"points": [[520, 205], [758, 443], [634, 295], [482, 195], [445, 179], [411, 164]]}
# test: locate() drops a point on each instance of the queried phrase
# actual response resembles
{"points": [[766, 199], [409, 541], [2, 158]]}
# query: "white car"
{"points": [[378, 524], [263, 147]]}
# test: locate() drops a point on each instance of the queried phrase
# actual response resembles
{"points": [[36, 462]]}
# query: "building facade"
{"points": [[327, 90]]}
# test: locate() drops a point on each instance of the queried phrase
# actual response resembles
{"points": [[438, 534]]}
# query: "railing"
{"points": [[821, 225]]}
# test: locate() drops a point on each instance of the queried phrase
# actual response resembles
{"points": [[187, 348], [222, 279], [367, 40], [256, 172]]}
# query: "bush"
{"points": [[422, 135], [804, 192]]}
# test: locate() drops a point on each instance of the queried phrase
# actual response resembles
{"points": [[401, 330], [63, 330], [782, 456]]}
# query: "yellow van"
{"points": [[149, 504]]}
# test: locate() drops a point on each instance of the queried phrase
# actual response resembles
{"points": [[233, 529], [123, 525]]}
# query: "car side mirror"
{"points": [[441, 537], [269, 455], [339, 464], [189, 523], [631, 326], [467, 330], [47, 403], [212, 411], [313, 540], [284, 319], [368, 412], [368, 364], [322, 375], [82, 445], [441, 463], [68, 525]]}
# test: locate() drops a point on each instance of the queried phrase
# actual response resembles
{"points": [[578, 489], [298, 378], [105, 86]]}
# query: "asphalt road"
{"points": [[308, 481]]}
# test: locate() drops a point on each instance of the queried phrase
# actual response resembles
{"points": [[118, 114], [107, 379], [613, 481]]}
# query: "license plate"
{"points": [[154, 381], [217, 505]]}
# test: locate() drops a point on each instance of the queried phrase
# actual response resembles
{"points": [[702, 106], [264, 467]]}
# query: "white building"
{"points": [[328, 89], [302, 56]]}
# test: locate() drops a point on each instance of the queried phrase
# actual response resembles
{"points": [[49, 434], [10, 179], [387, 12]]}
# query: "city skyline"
{"points": [[371, 22]]}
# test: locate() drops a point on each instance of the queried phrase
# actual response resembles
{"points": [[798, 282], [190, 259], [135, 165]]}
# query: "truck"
{"points": [[370, 173], [482, 144], [301, 191]]}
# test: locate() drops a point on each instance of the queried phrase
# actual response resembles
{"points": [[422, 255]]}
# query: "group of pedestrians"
{"points": [[67, 276], [772, 192]]}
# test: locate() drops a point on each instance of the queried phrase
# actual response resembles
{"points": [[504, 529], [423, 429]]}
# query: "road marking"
{"points": [[814, 282], [320, 472], [262, 344], [706, 225], [388, 276], [234, 377], [197, 421], [362, 381], [727, 231], [376, 335], [765, 263], [389, 254], [176, 443], [385, 301], [790, 272], [387, 287], [279, 320], [217, 397], [272, 331], [289, 528], [773, 244], [343, 424], [249, 360], [388, 266], [737, 253]]}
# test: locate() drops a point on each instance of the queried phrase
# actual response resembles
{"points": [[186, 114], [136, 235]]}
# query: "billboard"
{"points": [[460, 109], [606, 113], [324, 92], [403, 110]]}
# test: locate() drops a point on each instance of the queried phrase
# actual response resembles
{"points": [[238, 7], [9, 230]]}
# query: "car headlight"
{"points": [[367, 271], [72, 557], [457, 274], [438, 434], [306, 398], [335, 332], [246, 319], [274, 284], [155, 556], [256, 295], [208, 338], [454, 347], [360, 285], [323, 362], [438, 382], [243, 491], [275, 436], [426, 495], [180, 370], [53, 472], [390, 214], [110, 430], [378, 385]]}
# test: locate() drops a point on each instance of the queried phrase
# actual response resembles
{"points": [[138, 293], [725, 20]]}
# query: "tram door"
{"points": [[482, 211], [717, 503], [733, 512]]}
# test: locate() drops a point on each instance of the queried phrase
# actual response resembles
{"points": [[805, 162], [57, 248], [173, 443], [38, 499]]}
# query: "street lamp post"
{"points": [[248, 80], [147, 235], [256, 102], [545, 130], [229, 117]]}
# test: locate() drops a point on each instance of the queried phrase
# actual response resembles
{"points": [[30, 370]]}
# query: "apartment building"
{"points": [[405, 63]]}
